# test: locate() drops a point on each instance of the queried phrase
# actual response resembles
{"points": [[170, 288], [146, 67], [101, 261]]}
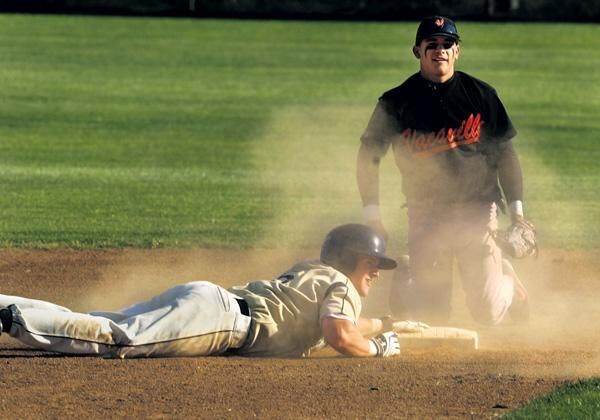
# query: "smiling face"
{"points": [[364, 274], [437, 56]]}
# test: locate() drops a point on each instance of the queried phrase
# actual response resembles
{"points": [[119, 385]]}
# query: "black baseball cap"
{"points": [[436, 26]]}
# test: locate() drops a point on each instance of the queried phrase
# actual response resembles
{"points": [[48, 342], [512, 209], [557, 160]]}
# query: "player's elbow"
{"points": [[367, 158], [340, 342], [340, 337]]}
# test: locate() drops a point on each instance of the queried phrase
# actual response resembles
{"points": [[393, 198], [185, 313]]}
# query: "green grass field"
{"points": [[175, 132], [579, 400], [172, 132]]}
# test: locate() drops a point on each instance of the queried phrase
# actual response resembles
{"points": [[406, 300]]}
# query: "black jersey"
{"points": [[445, 138]]}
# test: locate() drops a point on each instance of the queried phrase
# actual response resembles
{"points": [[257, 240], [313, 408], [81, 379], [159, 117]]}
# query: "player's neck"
{"points": [[437, 78]]}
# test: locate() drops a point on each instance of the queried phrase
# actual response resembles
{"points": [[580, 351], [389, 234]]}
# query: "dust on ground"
{"points": [[513, 365]]}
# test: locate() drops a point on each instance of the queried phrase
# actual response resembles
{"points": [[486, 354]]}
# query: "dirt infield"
{"points": [[514, 364]]}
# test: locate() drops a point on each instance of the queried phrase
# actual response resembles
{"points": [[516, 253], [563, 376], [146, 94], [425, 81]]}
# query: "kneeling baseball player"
{"points": [[315, 302]]}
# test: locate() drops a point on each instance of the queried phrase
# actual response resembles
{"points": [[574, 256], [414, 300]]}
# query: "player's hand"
{"points": [[386, 344], [518, 240], [517, 218], [409, 326]]}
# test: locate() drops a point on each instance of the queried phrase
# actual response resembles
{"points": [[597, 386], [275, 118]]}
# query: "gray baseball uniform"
{"points": [[287, 312], [198, 318]]}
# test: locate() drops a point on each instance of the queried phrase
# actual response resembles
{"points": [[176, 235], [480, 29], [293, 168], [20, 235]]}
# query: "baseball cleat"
{"points": [[5, 320]]}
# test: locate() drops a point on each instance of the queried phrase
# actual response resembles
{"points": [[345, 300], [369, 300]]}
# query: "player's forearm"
{"points": [[367, 176], [511, 179], [345, 338], [354, 345], [509, 173]]}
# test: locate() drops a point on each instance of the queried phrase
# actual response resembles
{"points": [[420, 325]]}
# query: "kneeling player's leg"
{"points": [[429, 294], [489, 290]]}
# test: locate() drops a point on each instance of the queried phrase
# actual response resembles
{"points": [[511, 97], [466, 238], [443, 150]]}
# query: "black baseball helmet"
{"points": [[436, 26], [344, 243]]}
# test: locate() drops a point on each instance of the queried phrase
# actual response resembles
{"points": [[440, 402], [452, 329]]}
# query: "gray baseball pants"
{"points": [[193, 319]]}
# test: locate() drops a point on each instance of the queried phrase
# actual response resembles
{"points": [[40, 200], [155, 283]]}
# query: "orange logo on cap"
{"points": [[439, 22]]}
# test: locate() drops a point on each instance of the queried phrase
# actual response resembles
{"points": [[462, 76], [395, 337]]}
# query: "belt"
{"points": [[240, 333], [244, 310]]}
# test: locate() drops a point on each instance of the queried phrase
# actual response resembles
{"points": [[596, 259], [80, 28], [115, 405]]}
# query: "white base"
{"points": [[434, 337]]}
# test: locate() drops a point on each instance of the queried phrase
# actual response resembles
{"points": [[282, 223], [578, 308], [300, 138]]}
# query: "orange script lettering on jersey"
{"points": [[424, 145]]}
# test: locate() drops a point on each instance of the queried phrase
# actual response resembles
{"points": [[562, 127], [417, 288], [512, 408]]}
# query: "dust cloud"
{"points": [[134, 276], [307, 156]]}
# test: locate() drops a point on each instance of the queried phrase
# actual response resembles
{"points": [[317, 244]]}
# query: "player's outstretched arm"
{"points": [[347, 339], [371, 326]]}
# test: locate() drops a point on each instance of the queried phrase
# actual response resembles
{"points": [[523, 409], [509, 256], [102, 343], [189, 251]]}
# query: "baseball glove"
{"points": [[518, 241]]}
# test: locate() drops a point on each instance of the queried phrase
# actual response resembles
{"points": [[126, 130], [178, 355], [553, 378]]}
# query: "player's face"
{"points": [[365, 273], [437, 56]]}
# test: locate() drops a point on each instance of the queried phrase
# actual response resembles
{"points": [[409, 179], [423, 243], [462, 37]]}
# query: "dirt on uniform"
{"points": [[514, 363]]}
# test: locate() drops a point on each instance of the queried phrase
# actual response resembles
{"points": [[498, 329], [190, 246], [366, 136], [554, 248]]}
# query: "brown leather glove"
{"points": [[519, 240]]}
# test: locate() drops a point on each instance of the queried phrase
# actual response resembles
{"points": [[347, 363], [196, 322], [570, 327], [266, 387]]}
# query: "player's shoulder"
{"points": [[473, 82], [316, 270], [404, 90]]}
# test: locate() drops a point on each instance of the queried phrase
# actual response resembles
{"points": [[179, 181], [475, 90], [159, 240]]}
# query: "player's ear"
{"points": [[457, 50], [416, 52]]}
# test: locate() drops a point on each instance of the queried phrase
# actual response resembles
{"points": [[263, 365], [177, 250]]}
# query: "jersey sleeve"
{"points": [[499, 126], [377, 135], [342, 302]]}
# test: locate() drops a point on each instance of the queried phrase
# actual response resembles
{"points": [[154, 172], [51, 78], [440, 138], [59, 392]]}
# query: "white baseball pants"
{"points": [[193, 319], [438, 237]]}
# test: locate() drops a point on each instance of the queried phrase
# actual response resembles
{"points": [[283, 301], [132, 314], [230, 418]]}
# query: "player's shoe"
{"points": [[398, 291], [519, 309], [5, 320]]}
